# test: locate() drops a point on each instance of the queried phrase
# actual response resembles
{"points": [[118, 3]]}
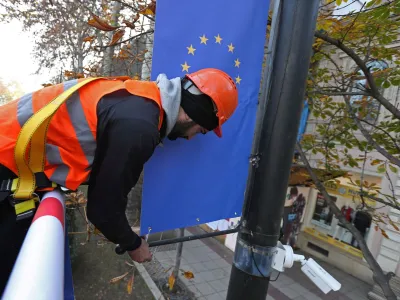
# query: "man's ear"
{"points": [[183, 115]]}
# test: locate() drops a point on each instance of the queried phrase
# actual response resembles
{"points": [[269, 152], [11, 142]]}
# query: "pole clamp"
{"points": [[254, 260]]}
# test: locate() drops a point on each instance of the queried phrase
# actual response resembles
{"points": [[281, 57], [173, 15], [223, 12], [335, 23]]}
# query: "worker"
{"points": [[102, 136]]}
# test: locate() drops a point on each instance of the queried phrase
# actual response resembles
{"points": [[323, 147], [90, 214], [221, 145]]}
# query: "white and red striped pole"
{"points": [[38, 272]]}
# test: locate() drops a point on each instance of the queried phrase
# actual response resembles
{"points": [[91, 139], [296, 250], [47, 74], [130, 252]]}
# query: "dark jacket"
{"points": [[127, 135]]}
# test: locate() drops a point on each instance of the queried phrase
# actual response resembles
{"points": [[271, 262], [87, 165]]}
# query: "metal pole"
{"points": [[120, 250], [266, 189], [177, 266]]}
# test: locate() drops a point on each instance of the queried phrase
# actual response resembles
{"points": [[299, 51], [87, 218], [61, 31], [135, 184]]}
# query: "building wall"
{"points": [[386, 251]]}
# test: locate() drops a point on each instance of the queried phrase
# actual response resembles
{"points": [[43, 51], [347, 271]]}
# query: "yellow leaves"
{"points": [[188, 275], [116, 37], [129, 286], [123, 54], [118, 278], [393, 225], [171, 281], [100, 24], [375, 162], [339, 2], [89, 39], [384, 233], [149, 9]]}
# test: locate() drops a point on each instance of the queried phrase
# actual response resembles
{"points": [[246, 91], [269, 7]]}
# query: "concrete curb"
{"points": [[150, 283]]}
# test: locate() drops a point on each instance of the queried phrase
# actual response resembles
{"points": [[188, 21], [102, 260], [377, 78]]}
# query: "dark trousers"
{"points": [[12, 234]]}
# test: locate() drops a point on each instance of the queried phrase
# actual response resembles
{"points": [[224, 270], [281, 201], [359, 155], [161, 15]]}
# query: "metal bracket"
{"points": [[254, 159], [254, 260]]}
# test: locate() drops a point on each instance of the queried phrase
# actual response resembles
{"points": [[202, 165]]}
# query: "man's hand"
{"points": [[141, 254]]}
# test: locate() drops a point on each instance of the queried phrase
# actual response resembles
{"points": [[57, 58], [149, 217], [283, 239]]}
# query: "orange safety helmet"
{"points": [[221, 88]]}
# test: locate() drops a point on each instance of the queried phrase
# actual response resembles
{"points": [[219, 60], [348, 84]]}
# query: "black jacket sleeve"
{"points": [[127, 136]]}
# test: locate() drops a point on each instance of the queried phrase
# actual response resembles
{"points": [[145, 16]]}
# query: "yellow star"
{"points": [[185, 67], [218, 39], [238, 79], [231, 48], [237, 62], [203, 39], [191, 49]]}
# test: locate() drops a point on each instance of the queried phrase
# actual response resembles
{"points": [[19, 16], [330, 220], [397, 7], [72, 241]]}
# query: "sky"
{"points": [[16, 62]]}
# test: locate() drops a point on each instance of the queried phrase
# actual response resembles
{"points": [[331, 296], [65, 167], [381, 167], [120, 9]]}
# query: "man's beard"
{"points": [[180, 129]]}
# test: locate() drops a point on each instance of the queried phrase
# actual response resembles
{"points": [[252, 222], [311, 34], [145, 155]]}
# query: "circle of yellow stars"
{"points": [[218, 40]]}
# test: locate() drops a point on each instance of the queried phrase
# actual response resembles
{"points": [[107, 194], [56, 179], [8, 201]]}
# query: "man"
{"points": [[106, 132]]}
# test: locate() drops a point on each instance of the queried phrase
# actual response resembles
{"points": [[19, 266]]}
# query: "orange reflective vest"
{"points": [[71, 137]]}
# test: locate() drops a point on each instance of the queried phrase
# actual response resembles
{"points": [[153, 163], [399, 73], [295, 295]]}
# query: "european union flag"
{"points": [[204, 179]]}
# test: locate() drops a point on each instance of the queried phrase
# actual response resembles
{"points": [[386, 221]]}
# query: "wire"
{"points": [[255, 263], [279, 273]]}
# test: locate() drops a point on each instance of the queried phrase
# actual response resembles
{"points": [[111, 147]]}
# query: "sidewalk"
{"points": [[210, 262]]}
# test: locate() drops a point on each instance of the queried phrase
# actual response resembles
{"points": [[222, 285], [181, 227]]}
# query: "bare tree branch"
{"points": [[360, 12], [380, 200], [322, 92], [361, 64], [384, 131]]}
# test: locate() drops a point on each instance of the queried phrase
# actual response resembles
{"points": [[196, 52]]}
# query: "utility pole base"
{"points": [[245, 286]]}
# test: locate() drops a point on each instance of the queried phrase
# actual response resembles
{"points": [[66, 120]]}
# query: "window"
{"points": [[322, 213], [367, 107]]}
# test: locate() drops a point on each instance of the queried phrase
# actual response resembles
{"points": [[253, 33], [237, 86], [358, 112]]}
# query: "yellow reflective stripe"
{"points": [[24, 206], [35, 129]]}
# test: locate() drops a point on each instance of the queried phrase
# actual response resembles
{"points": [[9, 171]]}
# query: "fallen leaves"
{"points": [[118, 278], [129, 287], [75, 198], [130, 283], [171, 281], [384, 234], [188, 275]]}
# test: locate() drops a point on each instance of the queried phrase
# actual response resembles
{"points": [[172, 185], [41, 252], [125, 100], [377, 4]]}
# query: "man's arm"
{"points": [[125, 145]]}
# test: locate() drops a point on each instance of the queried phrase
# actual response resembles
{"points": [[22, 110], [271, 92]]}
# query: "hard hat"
{"points": [[220, 87]]}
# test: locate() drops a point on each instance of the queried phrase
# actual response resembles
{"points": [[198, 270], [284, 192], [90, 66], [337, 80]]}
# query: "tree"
{"points": [[59, 29], [9, 91], [81, 37], [358, 125]]}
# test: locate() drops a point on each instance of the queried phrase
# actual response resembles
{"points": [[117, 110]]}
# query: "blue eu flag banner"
{"points": [[204, 179]]}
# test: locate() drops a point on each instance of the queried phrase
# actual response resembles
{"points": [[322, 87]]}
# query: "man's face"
{"points": [[186, 129]]}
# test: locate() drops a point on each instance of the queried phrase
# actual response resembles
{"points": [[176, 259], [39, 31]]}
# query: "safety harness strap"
{"points": [[31, 167]]}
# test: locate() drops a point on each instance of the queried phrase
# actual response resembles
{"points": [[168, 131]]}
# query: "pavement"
{"points": [[210, 262]]}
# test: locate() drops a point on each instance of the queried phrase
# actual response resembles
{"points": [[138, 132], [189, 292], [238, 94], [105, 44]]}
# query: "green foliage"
{"points": [[345, 93]]}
